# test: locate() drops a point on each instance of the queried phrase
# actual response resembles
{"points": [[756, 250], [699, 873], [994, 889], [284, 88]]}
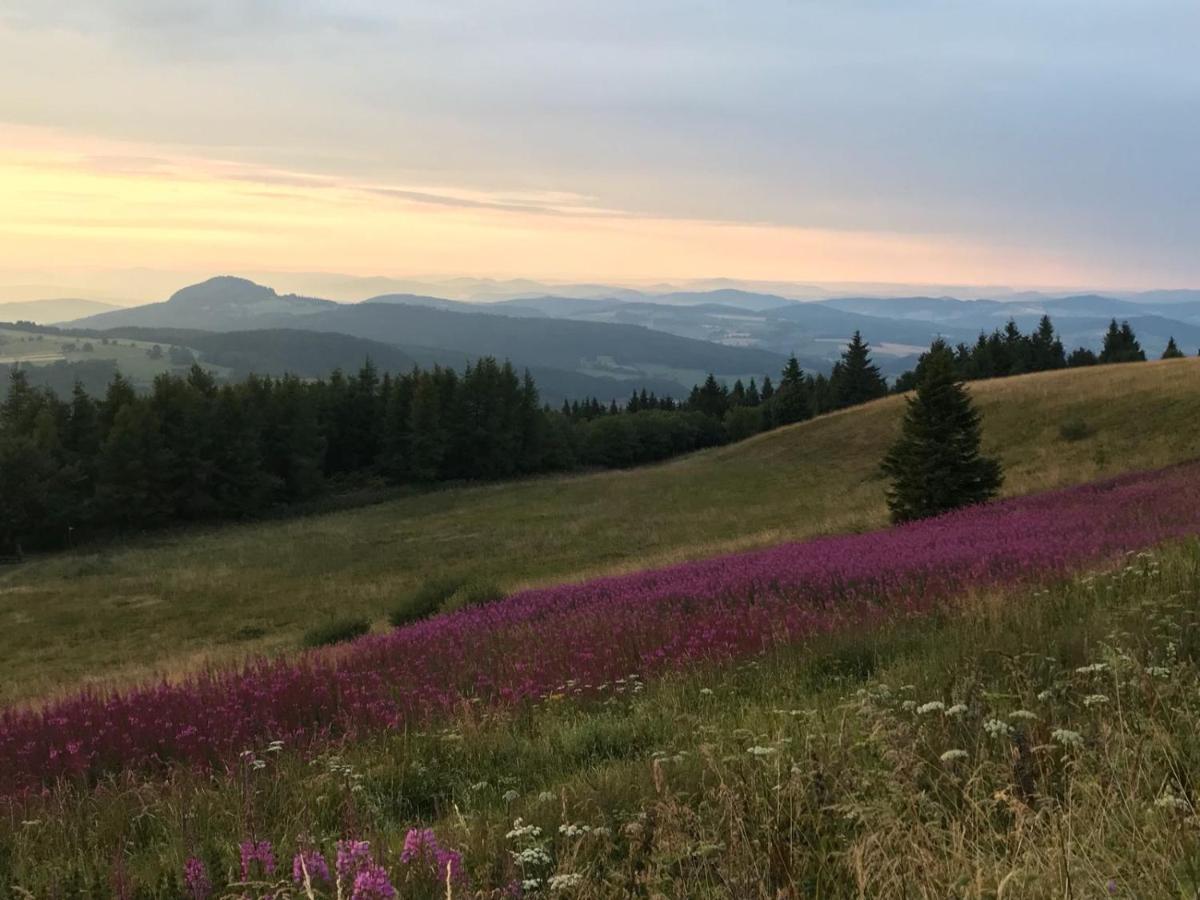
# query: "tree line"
{"points": [[1008, 351], [192, 449]]}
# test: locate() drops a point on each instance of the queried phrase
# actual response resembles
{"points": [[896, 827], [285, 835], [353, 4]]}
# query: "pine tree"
{"points": [[792, 402], [855, 378], [1172, 351], [935, 466], [1121, 345]]}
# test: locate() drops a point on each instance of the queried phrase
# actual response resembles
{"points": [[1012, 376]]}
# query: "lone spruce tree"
{"points": [[935, 466]]}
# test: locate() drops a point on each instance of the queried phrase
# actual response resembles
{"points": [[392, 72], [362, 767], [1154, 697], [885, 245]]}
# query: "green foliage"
{"points": [[425, 600], [935, 466], [1121, 345], [1075, 430], [336, 631], [855, 378], [473, 593]]}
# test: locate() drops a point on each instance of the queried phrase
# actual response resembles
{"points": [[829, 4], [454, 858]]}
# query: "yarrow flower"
{"points": [[931, 707], [997, 728], [957, 709], [195, 879], [953, 755], [1067, 738], [312, 864], [259, 852]]}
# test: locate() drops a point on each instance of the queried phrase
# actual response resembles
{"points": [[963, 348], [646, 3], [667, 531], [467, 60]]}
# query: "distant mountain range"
{"points": [[589, 343]]}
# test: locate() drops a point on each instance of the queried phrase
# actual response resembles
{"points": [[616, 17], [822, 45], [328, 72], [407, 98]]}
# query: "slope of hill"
{"points": [[50, 312], [178, 602], [593, 348]]}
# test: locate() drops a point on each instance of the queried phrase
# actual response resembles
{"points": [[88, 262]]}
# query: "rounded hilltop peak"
{"points": [[224, 290]]}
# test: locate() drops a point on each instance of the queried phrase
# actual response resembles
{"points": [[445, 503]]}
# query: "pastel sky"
{"points": [[1018, 142]]}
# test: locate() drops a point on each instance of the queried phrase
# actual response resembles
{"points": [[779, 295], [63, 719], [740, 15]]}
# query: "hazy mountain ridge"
{"points": [[666, 339]]}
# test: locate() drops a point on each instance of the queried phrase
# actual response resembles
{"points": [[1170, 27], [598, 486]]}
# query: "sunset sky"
{"points": [[1018, 142]]}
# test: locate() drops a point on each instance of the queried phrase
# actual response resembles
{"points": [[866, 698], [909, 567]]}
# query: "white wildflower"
{"points": [[1094, 700], [522, 830], [1158, 672], [564, 881], [1023, 715], [953, 755], [547, 797], [707, 692], [997, 728], [510, 796], [932, 706], [1093, 669], [762, 751], [1170, 801], [957, 709], [908, 705], [531, 856], [1067, 738]]}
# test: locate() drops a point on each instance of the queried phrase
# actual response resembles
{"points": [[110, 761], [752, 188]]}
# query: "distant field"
{"points": [[132, 357], [165, 604]]}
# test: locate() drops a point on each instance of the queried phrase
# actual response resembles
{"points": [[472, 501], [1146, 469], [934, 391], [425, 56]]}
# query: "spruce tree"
{"points": [[855, 378], [935, 466], [1121, 345], [1172, 351]]}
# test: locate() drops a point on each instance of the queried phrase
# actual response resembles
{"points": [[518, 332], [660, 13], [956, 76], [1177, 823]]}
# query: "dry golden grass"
{"points": [[172, 603]]}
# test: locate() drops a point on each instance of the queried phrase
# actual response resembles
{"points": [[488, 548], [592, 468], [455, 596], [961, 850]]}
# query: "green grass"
{"points": [[43, 348], [176, 602], [844, 767]]}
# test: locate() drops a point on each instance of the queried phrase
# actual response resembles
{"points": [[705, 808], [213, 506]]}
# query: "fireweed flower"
{"points": [[352, 857], [372, 883], [718, 610], [196, 881], [259, 852], [421, 847], [312, 863]]}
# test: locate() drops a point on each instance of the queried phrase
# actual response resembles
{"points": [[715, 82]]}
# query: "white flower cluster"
{"points": [[1067, 738], [997, 729]]}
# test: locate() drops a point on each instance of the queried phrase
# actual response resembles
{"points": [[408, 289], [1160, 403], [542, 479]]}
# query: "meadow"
{"points": [[1022, 740], [178, 603]]}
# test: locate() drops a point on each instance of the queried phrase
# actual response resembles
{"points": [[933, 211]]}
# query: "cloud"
{"points": [[1059, 124]]}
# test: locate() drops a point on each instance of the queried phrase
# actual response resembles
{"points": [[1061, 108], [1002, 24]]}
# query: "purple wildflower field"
{"points": [[576, 637]]}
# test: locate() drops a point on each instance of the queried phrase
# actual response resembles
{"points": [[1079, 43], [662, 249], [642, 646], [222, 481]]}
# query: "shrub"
{"points": [[474, 593], [336, 632], [1074, 430], [425, 600]]}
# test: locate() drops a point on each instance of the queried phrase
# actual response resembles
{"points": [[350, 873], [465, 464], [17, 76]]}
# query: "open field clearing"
{"points": [[1022, 742], [176, 603]]}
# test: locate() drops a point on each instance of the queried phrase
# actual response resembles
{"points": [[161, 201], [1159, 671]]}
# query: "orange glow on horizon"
{"points": [[83, 202]]}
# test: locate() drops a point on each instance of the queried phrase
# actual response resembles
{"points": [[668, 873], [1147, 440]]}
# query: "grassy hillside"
{"points": [[31, 347], [177, 602]]}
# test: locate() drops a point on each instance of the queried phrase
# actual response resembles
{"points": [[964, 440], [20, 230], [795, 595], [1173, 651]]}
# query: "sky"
{"points": [[1030, 143]]}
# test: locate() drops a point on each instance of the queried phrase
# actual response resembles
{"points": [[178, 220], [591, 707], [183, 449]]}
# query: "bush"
{"points": [[475, 593], [425, 600], [336, 632], [1074, 430]]}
